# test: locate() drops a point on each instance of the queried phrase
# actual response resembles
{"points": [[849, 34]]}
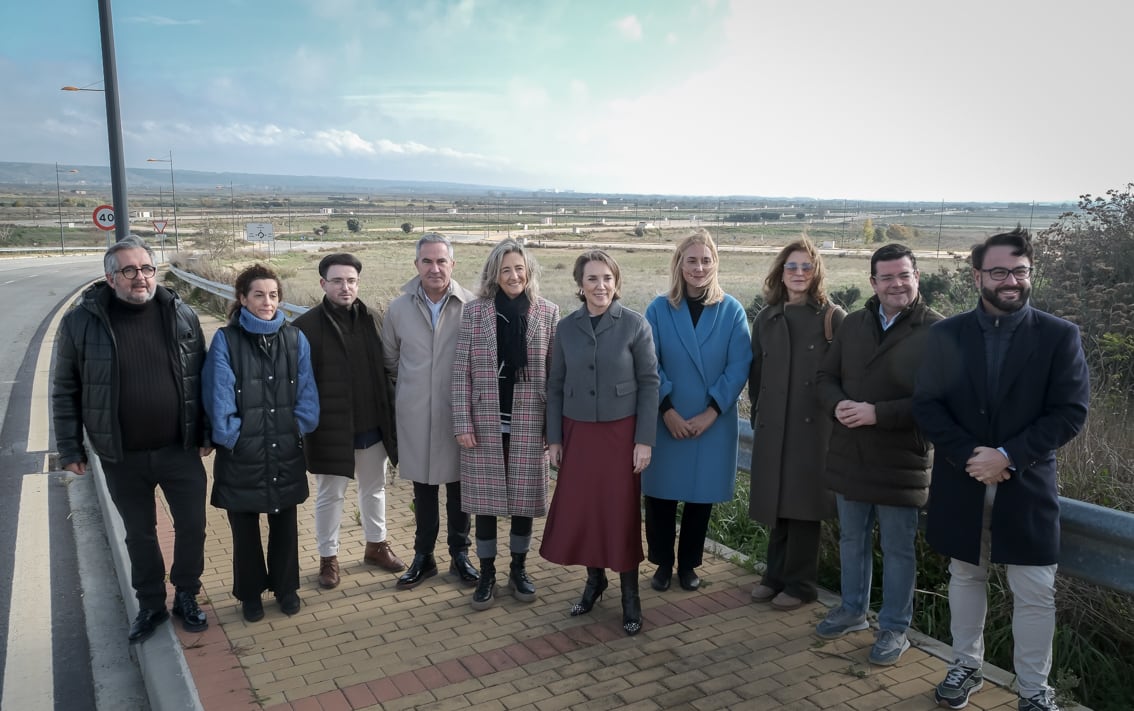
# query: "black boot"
{"points": [[484, 595], [631, 605], [592, 592], [519, 584]]}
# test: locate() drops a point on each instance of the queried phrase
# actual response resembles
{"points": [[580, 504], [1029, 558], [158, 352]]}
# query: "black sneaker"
{"points": [[960, 683], [253, 610], [185, 606], [1043, 701], [289, 603]]}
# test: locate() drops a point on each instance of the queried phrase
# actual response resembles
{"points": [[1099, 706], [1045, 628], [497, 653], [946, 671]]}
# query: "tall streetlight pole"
{"points": [[59, 204], [232, 205], [173, 189]]}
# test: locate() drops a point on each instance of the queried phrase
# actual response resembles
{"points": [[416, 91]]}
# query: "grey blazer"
{"points": [[603, 374]]}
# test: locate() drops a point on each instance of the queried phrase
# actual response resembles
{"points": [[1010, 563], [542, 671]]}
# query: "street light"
{"points": [[173, 187], [59, 204], [232, 203]]}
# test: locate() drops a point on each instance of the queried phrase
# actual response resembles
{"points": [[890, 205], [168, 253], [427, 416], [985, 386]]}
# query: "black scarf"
{"points": [[512, 332]]}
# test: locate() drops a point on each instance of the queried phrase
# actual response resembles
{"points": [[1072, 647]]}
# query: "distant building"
{"points": [[326, 211]]}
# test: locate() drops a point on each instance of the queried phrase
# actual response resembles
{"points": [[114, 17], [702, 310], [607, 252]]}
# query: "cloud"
{"points": [[159, 20], [629, 28]]}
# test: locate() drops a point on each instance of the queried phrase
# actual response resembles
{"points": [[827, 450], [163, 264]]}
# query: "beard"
{"points": [[993, 297]]}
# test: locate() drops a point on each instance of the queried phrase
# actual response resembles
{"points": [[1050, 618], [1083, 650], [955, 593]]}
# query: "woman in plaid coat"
{"points": [[499, 402]]}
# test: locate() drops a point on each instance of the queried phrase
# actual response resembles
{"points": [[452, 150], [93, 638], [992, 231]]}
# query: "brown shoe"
{"points": [[329, 572], [379, 554], [785, 602]]}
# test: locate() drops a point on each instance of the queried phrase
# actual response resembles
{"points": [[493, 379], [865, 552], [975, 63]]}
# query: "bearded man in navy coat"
{"points": [[1002, 387]]}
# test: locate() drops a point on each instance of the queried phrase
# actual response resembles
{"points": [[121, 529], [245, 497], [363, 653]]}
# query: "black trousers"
{"points": [[520, 535], [131, 483], [661, 529], [428, 515], [793, 558], [250, 576]]}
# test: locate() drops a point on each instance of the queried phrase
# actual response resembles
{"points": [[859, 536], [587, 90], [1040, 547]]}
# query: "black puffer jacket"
{"points": [[85, 392]]}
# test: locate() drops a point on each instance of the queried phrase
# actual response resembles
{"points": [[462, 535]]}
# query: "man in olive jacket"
{"points": [[356, 431], [878, 462]]}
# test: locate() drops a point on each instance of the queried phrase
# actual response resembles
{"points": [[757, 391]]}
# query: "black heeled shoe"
{"points": [[631, 604], [592, 592]]}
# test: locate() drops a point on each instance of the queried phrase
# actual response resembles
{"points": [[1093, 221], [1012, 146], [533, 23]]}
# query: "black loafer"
{"points": [[145, 623], [463, 568], [185, 606], [661, 579], [688, 580], [422, 567]]}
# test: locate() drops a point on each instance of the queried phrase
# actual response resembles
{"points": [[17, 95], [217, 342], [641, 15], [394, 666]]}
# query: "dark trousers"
{"points": [[428, 515], [661, 529], [131, 483], [793, 558], [250, 576], [520, 541]]}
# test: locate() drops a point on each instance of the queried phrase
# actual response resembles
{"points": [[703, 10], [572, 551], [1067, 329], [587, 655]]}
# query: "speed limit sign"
{"points": [[104, 217]]}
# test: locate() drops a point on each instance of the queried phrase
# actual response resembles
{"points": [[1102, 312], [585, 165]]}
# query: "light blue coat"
{"points": [[695, 365]]}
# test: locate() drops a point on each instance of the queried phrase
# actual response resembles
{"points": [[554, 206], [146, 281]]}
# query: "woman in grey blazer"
{"points": [[602, 404]]}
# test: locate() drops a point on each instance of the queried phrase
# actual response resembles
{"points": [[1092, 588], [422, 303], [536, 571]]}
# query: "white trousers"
{"points": [[330, 493], [1033, 612]]}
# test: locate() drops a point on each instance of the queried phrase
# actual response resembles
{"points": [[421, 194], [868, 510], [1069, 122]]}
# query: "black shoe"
{"points": [[688, 580], [519, 584], [146, 622], [631, 604], [422, 567], [592, 592], [289, 603], [485, 595], [185, 606], [662, 577], [253, 610], [462, 568]]}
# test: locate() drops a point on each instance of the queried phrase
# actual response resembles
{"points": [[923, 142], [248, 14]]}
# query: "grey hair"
{"points": [[495, 262], [433, 238], [132, 241]]}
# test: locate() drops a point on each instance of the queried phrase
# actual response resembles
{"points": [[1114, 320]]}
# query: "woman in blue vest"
{"points": [[260, 396], [703, 348]]}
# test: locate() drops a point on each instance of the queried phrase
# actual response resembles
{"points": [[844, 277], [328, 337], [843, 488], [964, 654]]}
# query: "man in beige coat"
{"points": [[419, 341]]}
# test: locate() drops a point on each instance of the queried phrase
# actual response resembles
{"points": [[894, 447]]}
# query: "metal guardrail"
{"points": [[227, 291], [1097, 543]]}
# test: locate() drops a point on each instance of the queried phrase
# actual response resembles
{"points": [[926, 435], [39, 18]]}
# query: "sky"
{"points": [[990, 100]]}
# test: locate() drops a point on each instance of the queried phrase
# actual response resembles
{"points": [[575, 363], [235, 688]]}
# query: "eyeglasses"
{"points": [[146, 270], [340, 282], [1001, 273], [797, 267], [891, 278]]}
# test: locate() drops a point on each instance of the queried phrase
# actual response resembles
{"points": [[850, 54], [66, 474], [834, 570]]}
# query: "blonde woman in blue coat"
{"points": [[703, 350]]}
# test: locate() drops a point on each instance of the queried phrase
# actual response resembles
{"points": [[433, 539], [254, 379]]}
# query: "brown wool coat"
{"points": [[790, 428], [487, 487]]}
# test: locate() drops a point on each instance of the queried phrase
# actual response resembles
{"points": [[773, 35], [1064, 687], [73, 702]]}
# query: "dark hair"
{"points": [[344, 259], [774, 290], [1019, 239], [890, 252], [243, 285], [597, 255]]}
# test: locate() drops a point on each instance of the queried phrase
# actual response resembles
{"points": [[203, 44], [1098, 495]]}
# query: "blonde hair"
{"points": [[495, 262], [714, 294], [774, 290]]}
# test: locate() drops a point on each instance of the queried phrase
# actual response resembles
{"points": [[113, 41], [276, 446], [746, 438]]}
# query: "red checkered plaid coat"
{"points": [[486, 489]]}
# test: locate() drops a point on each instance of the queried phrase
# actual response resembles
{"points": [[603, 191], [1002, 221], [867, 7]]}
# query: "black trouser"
{"points": [[521, 535], [250, 576], [428, 515], [131, 482], [661, 529], [793, 558]]}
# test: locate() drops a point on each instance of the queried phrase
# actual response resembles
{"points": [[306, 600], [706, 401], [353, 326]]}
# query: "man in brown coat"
{"points": [[878, 461]]}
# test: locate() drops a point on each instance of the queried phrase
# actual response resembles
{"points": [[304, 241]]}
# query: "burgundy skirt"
{"points": [[596, 513]]}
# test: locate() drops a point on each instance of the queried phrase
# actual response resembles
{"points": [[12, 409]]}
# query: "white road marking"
{"points": [[29, 676]]}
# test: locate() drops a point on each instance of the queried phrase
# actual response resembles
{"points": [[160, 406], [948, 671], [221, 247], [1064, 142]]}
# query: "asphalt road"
{"points": [[49, 624]]}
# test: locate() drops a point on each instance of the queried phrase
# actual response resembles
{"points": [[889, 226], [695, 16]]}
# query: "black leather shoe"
{"points": [[145, 623], [688, 579], [289, 603], [253, 610], [422, 567], [662, 577], [185, 606], [463, 568]]}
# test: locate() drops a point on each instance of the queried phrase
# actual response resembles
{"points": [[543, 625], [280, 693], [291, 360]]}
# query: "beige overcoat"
{"points": [[419, 361]]}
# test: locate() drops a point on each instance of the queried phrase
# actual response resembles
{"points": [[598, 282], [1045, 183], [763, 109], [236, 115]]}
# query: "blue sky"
{"points": [[876, 99]]}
